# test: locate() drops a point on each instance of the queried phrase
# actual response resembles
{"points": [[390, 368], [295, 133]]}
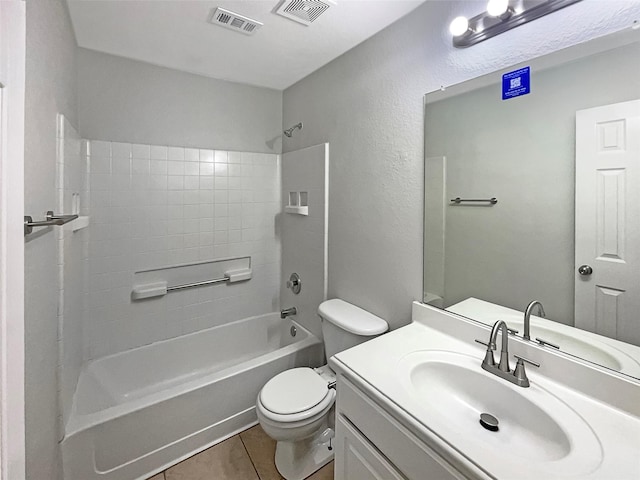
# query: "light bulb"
{"points": [[459, 26], [497, 8]]}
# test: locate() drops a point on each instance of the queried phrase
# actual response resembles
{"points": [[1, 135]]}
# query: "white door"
{"points": [[607, 293], [12, 65]]}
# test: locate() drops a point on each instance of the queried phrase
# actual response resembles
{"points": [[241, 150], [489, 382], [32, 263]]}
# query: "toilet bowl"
{"points": [[295, 407]]}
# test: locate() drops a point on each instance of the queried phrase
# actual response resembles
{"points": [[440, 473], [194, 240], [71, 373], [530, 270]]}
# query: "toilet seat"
{"points": [[295, 395]]}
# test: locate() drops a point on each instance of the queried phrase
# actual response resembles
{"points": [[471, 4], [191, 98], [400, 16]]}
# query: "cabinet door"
{"points": [[408, 454], [357, 459]]}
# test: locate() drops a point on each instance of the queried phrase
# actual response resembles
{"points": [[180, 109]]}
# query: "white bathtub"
{"points": [[137, 412]]}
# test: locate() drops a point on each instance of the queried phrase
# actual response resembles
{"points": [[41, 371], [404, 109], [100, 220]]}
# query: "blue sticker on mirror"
{"points": [[516, 83]]}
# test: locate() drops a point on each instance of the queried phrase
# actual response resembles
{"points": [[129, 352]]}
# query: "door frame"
{"points": [[12, 111]]}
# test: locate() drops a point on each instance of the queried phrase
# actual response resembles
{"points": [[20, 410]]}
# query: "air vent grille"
{"points": [[224, 18], [234, 21], [303, 11]]}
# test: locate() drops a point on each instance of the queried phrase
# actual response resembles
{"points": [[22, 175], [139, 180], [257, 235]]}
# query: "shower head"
{"points": [[289, 132]]}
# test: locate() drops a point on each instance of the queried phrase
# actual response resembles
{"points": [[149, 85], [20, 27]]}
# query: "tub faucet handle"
{"points": [[294, 283]]}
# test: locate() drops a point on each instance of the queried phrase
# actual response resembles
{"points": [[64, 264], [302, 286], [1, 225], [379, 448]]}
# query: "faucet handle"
{"points": [[520, 373], [488, 356], [526, 360], [544, 343]]}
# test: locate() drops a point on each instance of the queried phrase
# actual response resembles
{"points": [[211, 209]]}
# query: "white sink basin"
{"points": [[535, 427]]}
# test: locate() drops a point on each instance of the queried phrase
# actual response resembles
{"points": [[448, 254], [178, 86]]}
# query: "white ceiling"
{"points": [[176, 34]]}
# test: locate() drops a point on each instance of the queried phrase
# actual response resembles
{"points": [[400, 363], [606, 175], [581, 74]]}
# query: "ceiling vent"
{"points": [[303, 11], [234, 21]]}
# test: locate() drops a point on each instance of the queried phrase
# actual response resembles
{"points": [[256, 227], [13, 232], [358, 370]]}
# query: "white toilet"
{"points": [[296, 406]]}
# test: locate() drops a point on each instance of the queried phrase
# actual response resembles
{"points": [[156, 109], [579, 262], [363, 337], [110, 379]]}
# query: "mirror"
{"points": [[520, 193]]}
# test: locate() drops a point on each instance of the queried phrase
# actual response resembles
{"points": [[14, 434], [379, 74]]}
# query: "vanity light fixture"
{"points": [[500, 16], [498, 8], [459, 26]]}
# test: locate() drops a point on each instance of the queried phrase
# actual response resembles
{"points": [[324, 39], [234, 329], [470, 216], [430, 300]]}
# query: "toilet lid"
{"points": [[293, 391]]}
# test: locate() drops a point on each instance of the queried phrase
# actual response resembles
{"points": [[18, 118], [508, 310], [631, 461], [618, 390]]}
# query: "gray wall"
{"points": [[304, 238], [521, 151], [50, 88], [368, 104], [130, 101]]}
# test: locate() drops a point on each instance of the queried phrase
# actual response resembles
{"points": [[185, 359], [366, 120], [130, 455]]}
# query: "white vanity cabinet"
{"points": [[409, 403], [371, 444], [357, 458]]}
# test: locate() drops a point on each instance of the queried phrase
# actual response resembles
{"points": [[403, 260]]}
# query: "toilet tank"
{"points": [[344, 325]]}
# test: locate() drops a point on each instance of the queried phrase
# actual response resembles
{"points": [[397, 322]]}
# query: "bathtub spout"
{"points": [[287, 312]]}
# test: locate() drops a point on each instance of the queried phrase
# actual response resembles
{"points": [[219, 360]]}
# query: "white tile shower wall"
{"points": [[73, 247], [154, 206], [305, 237]]}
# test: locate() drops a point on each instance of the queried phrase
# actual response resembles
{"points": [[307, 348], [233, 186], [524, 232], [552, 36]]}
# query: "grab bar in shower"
{"points": [[159, 289], [231, 276], [197, 284], [51, 219], [458, 200]]}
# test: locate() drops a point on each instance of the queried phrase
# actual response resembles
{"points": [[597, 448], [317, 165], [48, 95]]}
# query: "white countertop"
{"points": [[609, 404]]}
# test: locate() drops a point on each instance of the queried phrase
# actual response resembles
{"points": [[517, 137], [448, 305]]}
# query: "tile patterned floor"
{"points": [[246, 456]]}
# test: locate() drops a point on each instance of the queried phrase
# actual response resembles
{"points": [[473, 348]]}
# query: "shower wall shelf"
{"points": [[295, 209], [298, 203]]}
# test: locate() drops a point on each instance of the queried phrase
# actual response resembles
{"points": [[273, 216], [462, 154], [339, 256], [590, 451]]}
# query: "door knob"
{"points": [[585, 270]]}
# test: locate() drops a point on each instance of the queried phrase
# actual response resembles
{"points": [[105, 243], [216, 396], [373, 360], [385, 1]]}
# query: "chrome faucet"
{"points": [[502, 370], [287, 312], [527, 317], [499, 326]]}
